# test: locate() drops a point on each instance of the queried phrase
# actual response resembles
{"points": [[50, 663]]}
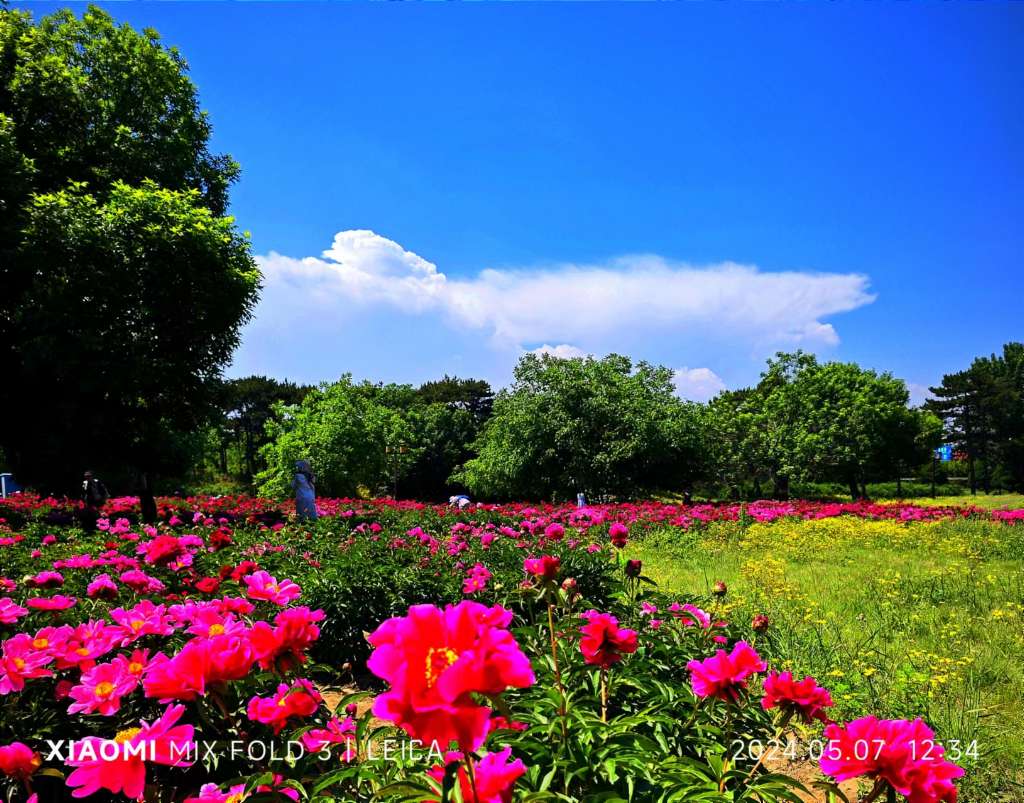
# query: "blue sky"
{"points": [[697, 184]]}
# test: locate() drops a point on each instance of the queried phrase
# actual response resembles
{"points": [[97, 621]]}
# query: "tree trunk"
{"points": [[146, 501]]}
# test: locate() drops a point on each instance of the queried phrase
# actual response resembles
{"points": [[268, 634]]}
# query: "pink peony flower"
{"points": [[10, 611], [47, 579], [19, 761], [145, 619], [696, 616], [101, 689], [261, 586], [141, 582], [119, 764], [493, 776], [57, 603], [545, 567], [900, 752], [19, 662], [724, 674], [85, 643], [102, 586], [210, 793], [476, 579], [335, 732]]}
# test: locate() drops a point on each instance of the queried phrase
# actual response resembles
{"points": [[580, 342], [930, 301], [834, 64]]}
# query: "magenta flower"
{"points": [[10, 611], [163, 742], [724, 674]]}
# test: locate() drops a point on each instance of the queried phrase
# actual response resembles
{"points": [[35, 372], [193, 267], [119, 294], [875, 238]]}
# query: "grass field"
{"points": [[899, 619], [993, 502]]}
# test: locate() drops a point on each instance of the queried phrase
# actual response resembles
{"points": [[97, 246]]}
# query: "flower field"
{"points": [[405, 652]]}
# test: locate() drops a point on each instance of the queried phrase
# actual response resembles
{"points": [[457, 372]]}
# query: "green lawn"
{"points": [[989, 502], [897, 620]]}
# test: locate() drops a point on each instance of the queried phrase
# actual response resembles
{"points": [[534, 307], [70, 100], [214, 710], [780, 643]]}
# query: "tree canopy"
{"points": [[805, 420], [124, 284], [598, 426], [983, 410]]}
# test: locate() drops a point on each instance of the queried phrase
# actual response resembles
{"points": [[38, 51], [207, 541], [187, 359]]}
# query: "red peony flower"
{"points": [[437, 660], [804, 696], [724, 674], [604, 642], [546, 567], [208, 585], [18, 761], [300, 699], [163, 549]]}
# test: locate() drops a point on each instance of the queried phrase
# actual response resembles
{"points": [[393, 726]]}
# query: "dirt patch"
{"points": [[807, 773]]}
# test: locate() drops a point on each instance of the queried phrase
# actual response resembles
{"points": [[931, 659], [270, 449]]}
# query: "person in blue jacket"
{"points": [[304, 485]]}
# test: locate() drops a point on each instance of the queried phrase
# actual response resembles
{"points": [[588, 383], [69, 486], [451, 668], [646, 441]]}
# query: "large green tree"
{"points": [[245, 406], [983, 410], [811, 421], [124, 284], [356, 436], [598, 426]]}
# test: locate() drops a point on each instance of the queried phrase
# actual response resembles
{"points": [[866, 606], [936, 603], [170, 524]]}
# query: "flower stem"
{"points": [[558, 672], [472, 778], [604, 694], [877, 790]]}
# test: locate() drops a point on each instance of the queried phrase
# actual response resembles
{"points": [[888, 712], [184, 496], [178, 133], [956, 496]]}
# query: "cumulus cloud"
{"points": [[625, 303], [697, 384], [563, 351]]}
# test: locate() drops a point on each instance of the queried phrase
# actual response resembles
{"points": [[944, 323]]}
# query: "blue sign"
{"points": [[945, 452]]}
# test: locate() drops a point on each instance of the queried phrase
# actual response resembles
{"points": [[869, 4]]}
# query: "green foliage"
{"points": [[368, 437], [353, 436], [599, 426], [806, 421], [244, 407], [124, 283], [983, 410]]}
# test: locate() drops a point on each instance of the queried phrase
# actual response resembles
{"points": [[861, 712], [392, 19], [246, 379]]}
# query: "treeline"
{"points": [[362, 438], [609, 427]]}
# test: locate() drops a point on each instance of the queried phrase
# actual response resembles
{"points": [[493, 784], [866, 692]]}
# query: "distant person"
{"points": [[94, 496], [304, 485], [461, 501]]}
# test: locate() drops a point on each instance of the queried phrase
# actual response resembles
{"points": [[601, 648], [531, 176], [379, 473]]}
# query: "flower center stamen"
{"points": [[438, 660]]}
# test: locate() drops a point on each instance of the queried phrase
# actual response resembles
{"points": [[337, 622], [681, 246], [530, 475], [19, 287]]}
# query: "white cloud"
{"points": [[360, 267], [563, 351], [697, 384], [632, 304]]}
